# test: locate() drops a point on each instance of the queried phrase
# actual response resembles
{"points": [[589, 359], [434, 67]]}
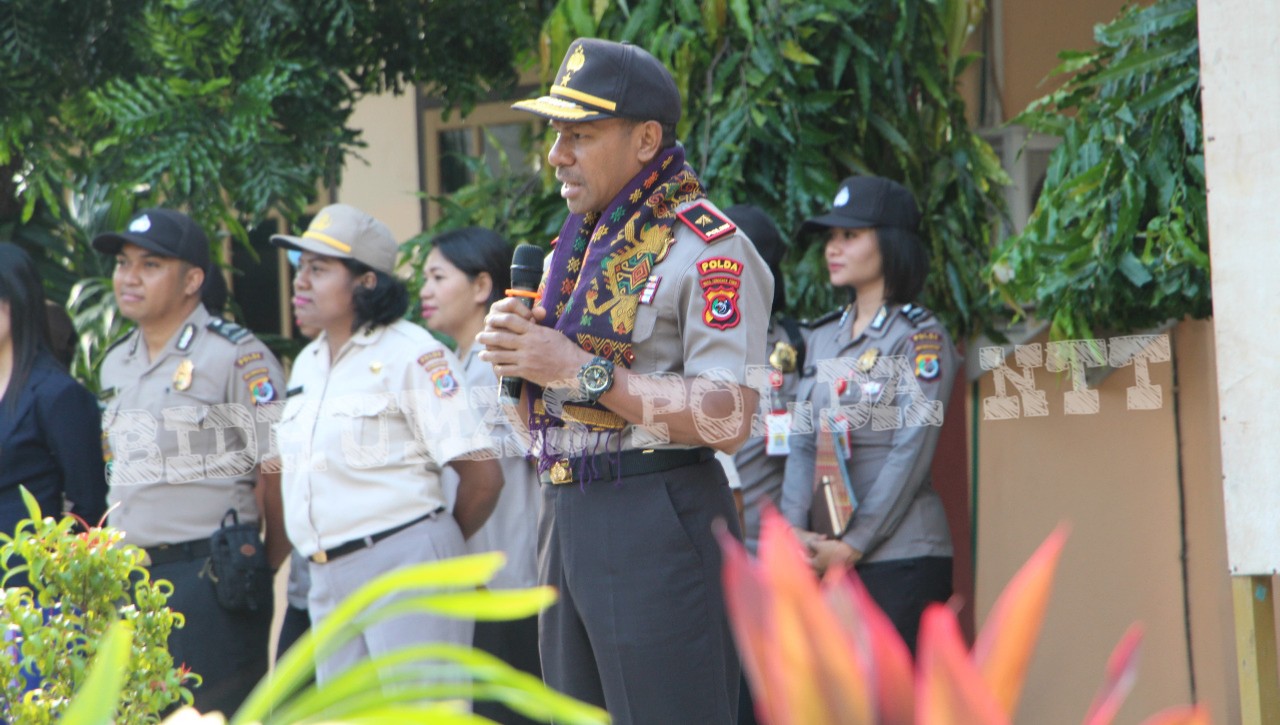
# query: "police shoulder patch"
{"points": [[228, 330], [706, 222]]}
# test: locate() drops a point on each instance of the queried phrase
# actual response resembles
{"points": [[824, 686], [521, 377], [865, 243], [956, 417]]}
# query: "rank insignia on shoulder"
{"points": [[708, 223], [914, 313], [229, 330], [294, 391]]}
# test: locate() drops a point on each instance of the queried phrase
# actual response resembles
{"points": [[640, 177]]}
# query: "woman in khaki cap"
{"points": [[376, 409]]}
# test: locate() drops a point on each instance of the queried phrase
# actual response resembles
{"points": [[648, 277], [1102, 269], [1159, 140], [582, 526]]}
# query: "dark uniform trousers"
{"points": [[640, 627], [227, 649]]}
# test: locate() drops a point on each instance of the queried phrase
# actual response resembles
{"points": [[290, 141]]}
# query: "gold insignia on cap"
{"points": [[783, 357], [322, 222], [577, 59], [868, 360], [182, 376]]}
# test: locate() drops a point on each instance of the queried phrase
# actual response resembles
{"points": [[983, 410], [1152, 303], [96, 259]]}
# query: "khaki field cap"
{"points": [[345, 232], [603, 79]]}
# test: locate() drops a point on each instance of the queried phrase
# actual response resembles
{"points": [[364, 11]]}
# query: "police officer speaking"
{"points": [[181, 436], [653, 306]]}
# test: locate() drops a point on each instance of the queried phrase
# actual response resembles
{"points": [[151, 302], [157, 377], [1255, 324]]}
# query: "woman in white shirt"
{"points": [[466, 271]]}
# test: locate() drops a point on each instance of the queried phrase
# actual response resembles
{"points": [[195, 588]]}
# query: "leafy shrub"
{"points": [[79, 585]]}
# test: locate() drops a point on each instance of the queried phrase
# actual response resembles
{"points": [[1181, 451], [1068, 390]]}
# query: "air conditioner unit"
{"points": [[1025, 157]]}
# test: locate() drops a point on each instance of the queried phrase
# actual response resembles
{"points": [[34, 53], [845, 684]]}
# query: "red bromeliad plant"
{"points": [[818, 653]]}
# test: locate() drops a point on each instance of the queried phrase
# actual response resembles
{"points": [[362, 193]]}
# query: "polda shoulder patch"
{"points": [[706, 222]]}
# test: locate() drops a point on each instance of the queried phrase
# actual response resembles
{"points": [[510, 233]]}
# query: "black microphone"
{"points": [[526, 273]]}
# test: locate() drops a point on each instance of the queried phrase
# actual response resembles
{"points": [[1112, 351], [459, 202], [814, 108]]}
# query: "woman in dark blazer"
{"points": [[50, 426]]}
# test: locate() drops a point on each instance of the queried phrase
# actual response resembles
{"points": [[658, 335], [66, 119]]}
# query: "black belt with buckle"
{"points": [[364, 542], [634, 462], [185, 551]]}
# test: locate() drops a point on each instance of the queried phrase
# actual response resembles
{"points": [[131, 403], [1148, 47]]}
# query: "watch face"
{"points": [[595, 378]]}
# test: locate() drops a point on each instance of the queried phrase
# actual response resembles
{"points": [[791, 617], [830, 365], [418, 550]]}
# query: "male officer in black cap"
{"points": [[653, 307], [181, 436]]}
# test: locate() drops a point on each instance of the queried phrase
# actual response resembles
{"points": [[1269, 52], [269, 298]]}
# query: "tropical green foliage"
{"points": [[1119, 238], [227, 108], [782, 100], [80, 585], [418, 684], [423, 684]]}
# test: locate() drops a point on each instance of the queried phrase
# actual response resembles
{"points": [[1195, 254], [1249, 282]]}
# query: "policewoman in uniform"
{"points": [[377, 409], [653, 307], [882, 374], [468, 270], [182, 441]]}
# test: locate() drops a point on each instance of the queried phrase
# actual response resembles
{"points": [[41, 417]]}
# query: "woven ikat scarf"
{"points": [[599, 267]]}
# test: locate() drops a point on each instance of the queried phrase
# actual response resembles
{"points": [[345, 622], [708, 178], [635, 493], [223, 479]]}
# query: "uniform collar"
{"points": [[183, 341], [879, 325], [363, 337]]}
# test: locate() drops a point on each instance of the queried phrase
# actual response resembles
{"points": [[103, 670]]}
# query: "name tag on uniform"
{"points": [[777, 434]]}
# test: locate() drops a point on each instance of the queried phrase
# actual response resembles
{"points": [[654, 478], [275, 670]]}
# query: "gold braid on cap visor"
{"points": [[326, 239], [561, 108]]}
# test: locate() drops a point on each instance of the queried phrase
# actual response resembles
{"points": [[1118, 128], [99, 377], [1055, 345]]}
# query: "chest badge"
{"points": [[867, 360], [783, 357], [182, 376]]}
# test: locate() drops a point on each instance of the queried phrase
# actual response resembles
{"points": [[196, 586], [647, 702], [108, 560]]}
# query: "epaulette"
{"points": [[230, 330], [915, 313], [820, 321], [123, 339], [706, 222]]}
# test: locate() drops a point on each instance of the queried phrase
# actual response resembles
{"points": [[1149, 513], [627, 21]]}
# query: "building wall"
{"points": [[383, 180], [1034, 32], [1113, 477]]}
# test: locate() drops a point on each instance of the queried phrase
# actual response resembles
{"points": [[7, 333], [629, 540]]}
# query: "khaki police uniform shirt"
{"points": [[677, 332], [898, 376], [184, 433], [363, 437], [759, 472]]}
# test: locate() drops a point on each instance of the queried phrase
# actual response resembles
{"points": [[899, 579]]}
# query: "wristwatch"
{"points": [[595, 378]]}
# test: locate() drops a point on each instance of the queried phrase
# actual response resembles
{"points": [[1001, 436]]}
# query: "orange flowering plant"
{"points": [[823, 652]]}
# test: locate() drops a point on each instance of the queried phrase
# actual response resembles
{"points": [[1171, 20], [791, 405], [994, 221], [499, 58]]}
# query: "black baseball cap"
{"points": [[163, 231], [868, 201], [603, 79]]}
